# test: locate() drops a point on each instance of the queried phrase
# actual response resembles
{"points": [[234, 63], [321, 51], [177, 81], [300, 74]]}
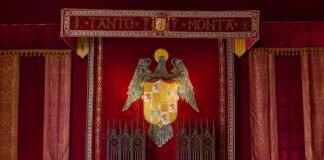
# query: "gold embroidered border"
{"points": [[68, 12], [98, 100], [35, 52], [9, 83], [222, 116], [230, 100], [90, 101], [287, 51]]}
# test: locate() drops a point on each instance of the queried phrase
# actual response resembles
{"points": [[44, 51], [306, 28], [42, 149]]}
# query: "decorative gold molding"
{"points": [[287, 51], [35, 52]]}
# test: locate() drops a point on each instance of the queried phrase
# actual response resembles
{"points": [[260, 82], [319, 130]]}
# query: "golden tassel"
{"points": [[239, 46]]}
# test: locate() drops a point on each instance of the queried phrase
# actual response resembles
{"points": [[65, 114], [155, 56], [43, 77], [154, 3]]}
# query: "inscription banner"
{"points": [[159, 24], [241, 26]]}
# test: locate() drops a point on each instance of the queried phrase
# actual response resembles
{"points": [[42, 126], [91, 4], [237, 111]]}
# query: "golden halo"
{"points": [[161, 53]]}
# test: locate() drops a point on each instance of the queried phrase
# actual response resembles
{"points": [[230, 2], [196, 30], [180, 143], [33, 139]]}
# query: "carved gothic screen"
{"points": [[125, 142], [196, 142]]}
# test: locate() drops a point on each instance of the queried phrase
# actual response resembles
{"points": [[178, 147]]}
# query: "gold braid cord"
{"points": [[222, 112], [35, 52], [287, 51], [98, 100]]}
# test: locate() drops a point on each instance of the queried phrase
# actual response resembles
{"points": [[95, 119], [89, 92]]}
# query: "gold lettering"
{"points": [[102, 24], [92, 22], [129, 23], [229, 25], [210, 25], [191, 24], [219, 25], [146, 22], [201, 24], [110, 24], [120, 22], [174, 23], [76, 24]]}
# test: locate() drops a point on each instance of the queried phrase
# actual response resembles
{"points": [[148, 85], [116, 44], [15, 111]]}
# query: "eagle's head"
{"points": [[178, 64], [143, 64]]}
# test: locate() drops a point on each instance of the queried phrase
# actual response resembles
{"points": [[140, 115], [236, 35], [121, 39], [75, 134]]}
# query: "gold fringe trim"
{"points": [[287, 51], [35, 52]]}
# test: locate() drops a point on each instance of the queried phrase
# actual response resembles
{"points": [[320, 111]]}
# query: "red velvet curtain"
{"points": [[57, 107], [263, 111], [313, 102], [286, 104], [272, 34]]}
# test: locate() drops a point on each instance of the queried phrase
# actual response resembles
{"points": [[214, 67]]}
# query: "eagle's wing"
{"points": [[185, 91], [135, 90]]}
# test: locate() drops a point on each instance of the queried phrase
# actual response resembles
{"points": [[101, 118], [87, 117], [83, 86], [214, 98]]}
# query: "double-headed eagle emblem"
{"points": [[160, 92]]}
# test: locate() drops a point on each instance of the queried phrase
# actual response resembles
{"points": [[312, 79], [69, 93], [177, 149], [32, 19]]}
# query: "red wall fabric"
{"points": [[291, 35], [31, 108], [242, 109], [31, 37], [78, 107]]}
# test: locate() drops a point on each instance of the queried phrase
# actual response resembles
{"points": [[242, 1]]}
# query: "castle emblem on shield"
{"points": [[160, 92], [160, 23]]}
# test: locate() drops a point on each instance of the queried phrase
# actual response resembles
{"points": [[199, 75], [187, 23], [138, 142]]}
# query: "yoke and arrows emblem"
{"points": [[160, 92]]}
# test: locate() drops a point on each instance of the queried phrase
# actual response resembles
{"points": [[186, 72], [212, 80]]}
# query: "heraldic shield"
{"points": [[160, 92], [161, 24], [160, 101]]}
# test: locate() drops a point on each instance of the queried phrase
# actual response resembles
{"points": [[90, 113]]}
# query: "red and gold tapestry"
{"points": [[9, 85]]}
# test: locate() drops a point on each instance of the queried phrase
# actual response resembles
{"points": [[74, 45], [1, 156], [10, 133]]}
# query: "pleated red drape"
{"points": [[313, 105], [57, 107], [286, 104], [263, 107]]}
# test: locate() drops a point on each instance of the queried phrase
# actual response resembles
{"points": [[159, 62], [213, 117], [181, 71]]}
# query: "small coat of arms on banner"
{"points": [[160, 92], [161, 23]]}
